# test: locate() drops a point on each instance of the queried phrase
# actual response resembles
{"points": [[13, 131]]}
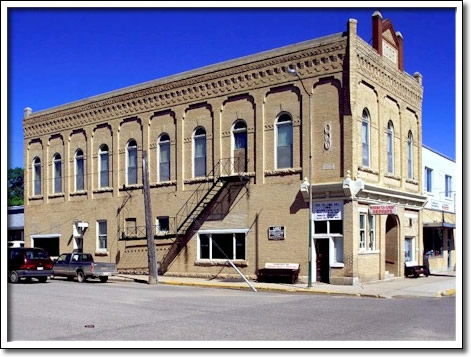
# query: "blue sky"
{"points": [[56, 56]]}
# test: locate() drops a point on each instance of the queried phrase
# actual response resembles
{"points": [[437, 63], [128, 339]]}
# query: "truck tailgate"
{"points": [[99, 268]]}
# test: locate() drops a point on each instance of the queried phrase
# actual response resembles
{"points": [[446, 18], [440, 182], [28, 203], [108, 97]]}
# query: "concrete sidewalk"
{"points": [[436, 285]]}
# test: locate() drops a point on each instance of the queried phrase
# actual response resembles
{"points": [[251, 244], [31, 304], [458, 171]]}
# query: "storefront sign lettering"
{"points": [[326, 211], [383, 209]]}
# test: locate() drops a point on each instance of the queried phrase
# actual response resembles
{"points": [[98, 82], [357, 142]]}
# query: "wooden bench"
{"points": [[279, 272], [412, 268]]}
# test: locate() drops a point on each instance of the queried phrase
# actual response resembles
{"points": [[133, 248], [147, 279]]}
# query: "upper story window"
{"points": [[284, 142], [132, 162], [447, 186], [410, 156], [390, 147], [239, 132], [36, 176], [365, 138], [199, 152], [79, 170], [428, 179], [104, 166], [164, 158], [57, 173]]}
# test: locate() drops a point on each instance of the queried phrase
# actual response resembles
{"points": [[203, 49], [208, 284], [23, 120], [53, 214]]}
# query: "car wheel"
{"points": [[80, 276], [14, 277], [42, 279], [103, 279]]}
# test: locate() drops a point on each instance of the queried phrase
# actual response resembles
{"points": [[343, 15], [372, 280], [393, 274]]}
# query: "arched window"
{"points": [[164, 158], [36, 176], [79, 170], [390, 147], [365, 138], [104, 166], [410, 156], [132, 162], [240, 146], [57, 173], [199, 153], [284, 142]]}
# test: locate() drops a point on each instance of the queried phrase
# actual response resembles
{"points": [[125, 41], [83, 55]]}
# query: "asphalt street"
{"points": [[61, 310]]}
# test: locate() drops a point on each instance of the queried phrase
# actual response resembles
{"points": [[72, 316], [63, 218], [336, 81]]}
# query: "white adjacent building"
{"points": [[439, 219]]}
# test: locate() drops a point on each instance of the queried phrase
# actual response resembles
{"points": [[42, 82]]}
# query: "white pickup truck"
{"points": [[82, 266]]}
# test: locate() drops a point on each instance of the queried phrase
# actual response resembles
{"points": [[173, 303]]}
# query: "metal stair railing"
{"points": [[223, 168]]}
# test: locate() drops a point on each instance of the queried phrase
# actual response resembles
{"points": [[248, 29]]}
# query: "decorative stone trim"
{"points": [[368, 169], [373, 67], [412, 181], [78, 193], [197, 86], [394, 177], [221, 262], [56, 195], [103, 189], [132, 187], [283, 172], [34, 198], [199, 180], [164, 183], [101, 253]]}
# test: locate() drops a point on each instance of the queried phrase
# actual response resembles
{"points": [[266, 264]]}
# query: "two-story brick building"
{"points": [[228, 149]]}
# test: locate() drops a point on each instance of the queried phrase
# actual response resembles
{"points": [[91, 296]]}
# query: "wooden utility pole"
{"points": [[151, 255]]}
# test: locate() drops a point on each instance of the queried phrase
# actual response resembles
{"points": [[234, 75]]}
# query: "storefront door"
{"points": [[322, 260]]}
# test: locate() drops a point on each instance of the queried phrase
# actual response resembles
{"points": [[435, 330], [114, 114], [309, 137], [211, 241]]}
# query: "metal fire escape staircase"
{"points": [[224, 172]]}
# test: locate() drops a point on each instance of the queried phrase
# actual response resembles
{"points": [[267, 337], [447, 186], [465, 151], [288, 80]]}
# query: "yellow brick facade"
{"points": [[343, 75]]}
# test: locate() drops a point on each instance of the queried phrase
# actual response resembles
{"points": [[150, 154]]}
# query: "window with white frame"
{"points": [[132, 162], [104, 166], [334, 230], [428, 179], [79, 170], [447, 186], [57, 173], [284, 142], [199, 154], [365, 138], [36, 176], [367, 232], [230, 245], [372, 236], [164, 158], [362, 231], [390, 147], [102, 235], [410, 156], [163, 224]]}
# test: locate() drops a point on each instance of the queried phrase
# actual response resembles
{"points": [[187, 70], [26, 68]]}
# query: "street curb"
{"points": [[260, 288], [448, 292]]}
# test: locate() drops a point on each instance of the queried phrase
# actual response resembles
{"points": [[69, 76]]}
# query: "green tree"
{"points": [[15, 186]]}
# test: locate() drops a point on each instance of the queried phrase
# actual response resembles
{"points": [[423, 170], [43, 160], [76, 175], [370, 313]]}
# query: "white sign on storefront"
{"points": [[326, 211]]}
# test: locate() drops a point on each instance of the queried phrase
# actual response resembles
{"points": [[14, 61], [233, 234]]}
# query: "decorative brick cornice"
{"points": [[402, 85], [323, 57]]}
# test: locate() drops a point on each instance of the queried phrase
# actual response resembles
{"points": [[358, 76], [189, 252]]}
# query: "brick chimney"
{"points": [[378, 32], [400, 50]]}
